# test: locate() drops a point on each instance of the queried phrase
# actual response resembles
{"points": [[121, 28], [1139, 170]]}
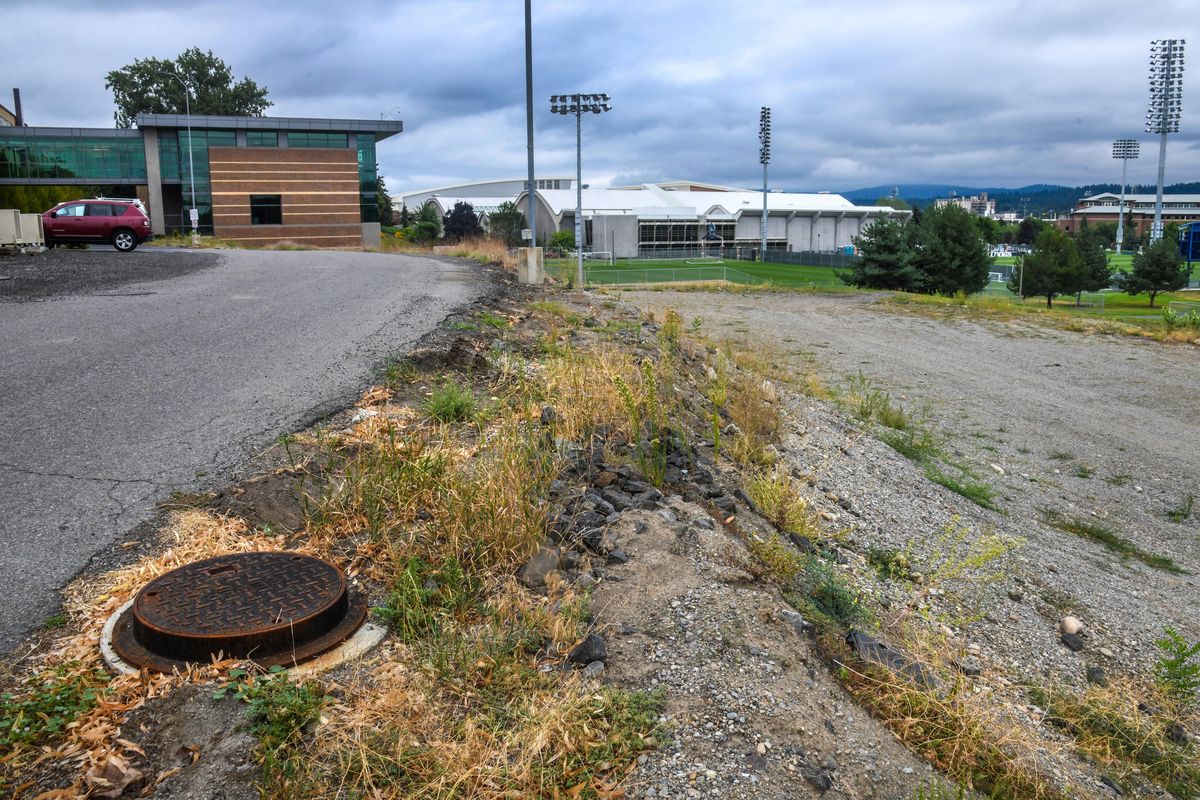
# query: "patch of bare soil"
{"points": [[201, 749], [751, 709]]}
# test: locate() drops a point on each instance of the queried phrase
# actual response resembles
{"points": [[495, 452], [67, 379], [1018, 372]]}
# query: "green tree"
{"points": [[1091, 249], [894, 202], [989, 229], [561, 241], [886, 258], [427, 226], [142, 87], [383, 201], [1158, 268], [951, 255], [1028, 230], [462, 223], [506, 223], [405, 217], [1053, 268]]}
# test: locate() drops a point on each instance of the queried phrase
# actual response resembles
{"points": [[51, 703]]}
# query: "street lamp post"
{"points": [[577, 104], [1124, 149], [1166, 107], [764, 157], [193, 215]]}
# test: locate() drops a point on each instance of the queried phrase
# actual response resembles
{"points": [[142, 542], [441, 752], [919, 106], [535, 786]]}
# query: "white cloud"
{"points": [[869, 93]]}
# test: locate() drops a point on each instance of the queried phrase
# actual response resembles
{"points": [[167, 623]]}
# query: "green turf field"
{"points": [[633, 271], [650, 271]]}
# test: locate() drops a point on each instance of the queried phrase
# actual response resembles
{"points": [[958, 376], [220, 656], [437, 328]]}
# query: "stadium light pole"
{"points": [[1165, 109], [764, 157], [1124, 149], [577, 104], [531, 191], [187, 110]]}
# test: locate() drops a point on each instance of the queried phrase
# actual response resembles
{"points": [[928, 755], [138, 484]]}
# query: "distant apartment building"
{"points": [[1139, 211], [978, 204]]}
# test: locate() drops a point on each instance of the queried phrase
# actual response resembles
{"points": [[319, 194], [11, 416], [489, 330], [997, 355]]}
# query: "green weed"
{"points": [[1110, 539], [55, 621], [451, 402], [1177, 670], [425, 598], [978, 493], [49, 703], [279, 712], [1183, 512]]}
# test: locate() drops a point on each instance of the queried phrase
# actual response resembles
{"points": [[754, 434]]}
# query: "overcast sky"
{"points": [[863, 93]]}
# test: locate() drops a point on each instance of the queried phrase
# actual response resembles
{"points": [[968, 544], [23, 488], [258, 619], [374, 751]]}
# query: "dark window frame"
{"points": [[266, 209]]}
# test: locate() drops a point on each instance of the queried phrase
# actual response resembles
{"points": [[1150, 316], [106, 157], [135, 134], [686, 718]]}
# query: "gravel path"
{"points": [[1094, 428]]}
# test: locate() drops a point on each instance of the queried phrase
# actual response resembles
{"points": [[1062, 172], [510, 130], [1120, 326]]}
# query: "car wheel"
{"points": [[124, 241]]}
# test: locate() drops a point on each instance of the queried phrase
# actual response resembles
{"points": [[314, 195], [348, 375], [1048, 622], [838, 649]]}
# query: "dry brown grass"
{"points": [[1126, 726], [962, 733]]}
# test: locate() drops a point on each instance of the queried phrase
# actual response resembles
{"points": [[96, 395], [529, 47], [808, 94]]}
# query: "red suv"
{"points": [[119, 222]]}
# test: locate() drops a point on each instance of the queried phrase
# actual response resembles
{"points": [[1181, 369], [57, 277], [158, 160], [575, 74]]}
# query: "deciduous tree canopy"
{"points": [[146, 86]]}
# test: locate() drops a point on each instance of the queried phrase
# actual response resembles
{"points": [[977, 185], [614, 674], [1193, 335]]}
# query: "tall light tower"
{"points": [[764, 158], [1166, 107], [1124, 149], [578, 104]]}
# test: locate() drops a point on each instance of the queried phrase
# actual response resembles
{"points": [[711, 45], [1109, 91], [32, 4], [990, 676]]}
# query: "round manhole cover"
{"points": [[270, 608]]}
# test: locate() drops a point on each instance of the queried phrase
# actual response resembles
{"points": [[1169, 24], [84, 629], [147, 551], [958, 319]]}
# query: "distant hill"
{"points": [[1036, 199]]}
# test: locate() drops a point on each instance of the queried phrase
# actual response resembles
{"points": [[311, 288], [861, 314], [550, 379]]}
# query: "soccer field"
{"points": [[679, 270]]}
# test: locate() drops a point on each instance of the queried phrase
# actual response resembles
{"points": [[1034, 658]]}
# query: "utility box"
{"points": [[29, 230], [10, 223]]}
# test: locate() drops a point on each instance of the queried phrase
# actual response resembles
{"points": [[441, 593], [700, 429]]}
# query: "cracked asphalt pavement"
{"points": [[118, 393]]}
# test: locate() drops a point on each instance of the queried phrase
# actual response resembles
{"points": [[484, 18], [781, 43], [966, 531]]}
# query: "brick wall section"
{"points": [[318, 189]]}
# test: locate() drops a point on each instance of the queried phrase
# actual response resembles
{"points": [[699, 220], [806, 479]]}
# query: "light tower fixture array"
{"points": [[1124, 149], [764, 158], [1165, 109], [578, 104]]}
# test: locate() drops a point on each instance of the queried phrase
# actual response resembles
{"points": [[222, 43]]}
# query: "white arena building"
{"points": [[661, 218]]}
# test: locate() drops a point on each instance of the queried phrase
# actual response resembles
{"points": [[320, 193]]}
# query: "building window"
{"points": [[312, 139], [266, 209], [262, 138]]}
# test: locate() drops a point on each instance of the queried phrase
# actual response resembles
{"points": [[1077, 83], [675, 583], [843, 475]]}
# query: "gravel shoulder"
{"points": [[1094, 428]]}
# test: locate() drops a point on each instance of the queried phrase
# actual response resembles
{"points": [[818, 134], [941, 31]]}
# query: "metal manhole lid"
{"points": [[272, 608], [243, 593]]}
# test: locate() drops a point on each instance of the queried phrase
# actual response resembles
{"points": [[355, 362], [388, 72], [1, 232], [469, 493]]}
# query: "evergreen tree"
{"points": [[1158, 268], [886, 258], [462, 223], [952, 257], [1053, 268], [383, 202], [1095, 260]]}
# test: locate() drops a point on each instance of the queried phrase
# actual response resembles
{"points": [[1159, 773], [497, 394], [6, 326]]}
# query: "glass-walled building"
{"points": [[315, 178]]}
